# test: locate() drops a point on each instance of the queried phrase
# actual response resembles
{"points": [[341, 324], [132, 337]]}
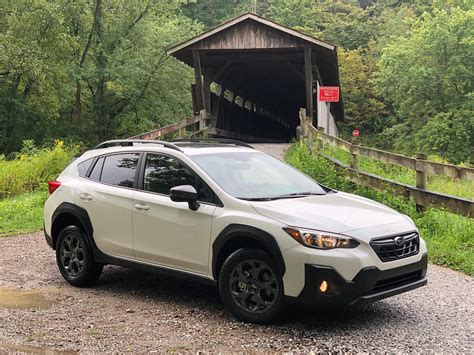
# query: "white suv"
{"points": [[224, 212]]}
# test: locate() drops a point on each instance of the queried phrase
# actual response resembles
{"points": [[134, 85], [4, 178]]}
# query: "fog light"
{"points": [[324, 286]]}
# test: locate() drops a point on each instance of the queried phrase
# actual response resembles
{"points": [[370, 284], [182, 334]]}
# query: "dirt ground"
{"points": [[144, 312]]}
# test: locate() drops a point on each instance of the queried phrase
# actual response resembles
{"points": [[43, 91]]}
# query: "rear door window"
{"points": [[120, 169]]}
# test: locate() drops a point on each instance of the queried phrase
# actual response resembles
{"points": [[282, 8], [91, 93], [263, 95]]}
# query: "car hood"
{"points": [[336, 212]]}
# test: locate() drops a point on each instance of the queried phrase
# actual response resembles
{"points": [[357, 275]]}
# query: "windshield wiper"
{"points": [[299, 194], [291, 195]]}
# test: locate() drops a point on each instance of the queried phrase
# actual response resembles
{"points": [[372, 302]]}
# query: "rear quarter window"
{"points": [[84, 167], [96, 171]]}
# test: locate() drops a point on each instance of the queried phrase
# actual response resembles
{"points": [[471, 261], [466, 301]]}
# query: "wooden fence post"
{"points": [[302, 126], [354, 157], [421, 178], [320, 143], [309, 132]]}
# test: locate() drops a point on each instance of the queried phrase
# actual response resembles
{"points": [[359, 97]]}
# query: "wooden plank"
{"points": [[387, 157], [308, 74], [207, 93], [198, 79], [452, 171], [157, 133], [457, 205], [340, 143]]}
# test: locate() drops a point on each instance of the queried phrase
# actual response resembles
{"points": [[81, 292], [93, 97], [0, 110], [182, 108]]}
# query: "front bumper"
{"points": [[369, 285]]}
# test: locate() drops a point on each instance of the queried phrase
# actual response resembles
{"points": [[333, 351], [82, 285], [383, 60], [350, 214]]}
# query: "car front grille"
{"points": [[396, 247]]}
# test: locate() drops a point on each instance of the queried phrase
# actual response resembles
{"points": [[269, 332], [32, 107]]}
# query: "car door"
{"points": [[107, 196], [168, 233]]}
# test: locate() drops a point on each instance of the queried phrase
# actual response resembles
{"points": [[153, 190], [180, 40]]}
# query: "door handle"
{"points": [[85, 197], [141, 207]]}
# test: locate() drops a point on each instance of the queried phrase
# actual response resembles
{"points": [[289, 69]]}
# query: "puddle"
{"points": [[11, 298], [26, 349]]}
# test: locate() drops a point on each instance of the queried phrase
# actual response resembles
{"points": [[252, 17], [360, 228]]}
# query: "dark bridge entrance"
{"points": [[252, 76]]}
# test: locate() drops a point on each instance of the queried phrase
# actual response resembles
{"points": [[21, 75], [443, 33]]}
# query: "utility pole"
{"points": [[254, 6]]}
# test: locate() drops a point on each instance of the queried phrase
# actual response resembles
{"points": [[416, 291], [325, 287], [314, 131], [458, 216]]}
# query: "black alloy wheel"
{"points": [[251, 287], [75, 258]]}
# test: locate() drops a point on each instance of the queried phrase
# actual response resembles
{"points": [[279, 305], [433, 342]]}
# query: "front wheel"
{"points": [[75, 259], [250, 286]]}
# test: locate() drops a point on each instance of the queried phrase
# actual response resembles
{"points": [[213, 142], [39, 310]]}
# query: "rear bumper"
{"points": [[369, 285]]}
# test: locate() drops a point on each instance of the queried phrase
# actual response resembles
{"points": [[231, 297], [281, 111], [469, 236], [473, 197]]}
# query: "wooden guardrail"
{"points": [[162, 131], [422, 197]]}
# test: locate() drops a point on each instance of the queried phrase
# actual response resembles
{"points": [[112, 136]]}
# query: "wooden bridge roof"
{"points": [[262, 60]]}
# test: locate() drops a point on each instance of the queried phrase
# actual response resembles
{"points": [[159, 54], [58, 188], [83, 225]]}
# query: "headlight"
{"points": [[321, 240]]}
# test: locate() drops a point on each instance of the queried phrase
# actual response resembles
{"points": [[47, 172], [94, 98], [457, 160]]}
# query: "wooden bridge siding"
{"points": [[250, 36]]}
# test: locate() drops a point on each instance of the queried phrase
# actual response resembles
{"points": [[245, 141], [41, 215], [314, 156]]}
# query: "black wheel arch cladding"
{"points": [[80, 214], [233, 232]]}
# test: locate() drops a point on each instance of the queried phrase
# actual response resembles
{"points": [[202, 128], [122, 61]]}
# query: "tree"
{"points": [[364, 109], [90, 70], [427, 77]]}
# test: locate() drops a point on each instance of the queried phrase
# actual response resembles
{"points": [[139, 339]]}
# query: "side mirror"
{"points": [[185, 193]]}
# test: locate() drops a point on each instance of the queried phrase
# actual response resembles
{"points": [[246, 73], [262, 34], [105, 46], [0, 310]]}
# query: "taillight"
{"points": [[53, 185]]}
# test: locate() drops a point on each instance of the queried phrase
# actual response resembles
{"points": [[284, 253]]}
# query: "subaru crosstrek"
{"points": [[224, 212]]}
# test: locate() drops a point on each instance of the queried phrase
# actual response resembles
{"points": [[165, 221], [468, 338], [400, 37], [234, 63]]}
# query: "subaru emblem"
{"points": [[399, 241]]}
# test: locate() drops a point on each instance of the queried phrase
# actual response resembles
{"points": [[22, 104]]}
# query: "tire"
{"points": [[75, 259], [251, 287]]}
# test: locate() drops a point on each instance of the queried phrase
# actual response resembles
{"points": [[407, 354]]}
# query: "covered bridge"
{"points": [[253, 75]]}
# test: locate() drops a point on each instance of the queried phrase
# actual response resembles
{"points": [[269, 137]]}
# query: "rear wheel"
{"points": [[75, 259], [250, 286]]}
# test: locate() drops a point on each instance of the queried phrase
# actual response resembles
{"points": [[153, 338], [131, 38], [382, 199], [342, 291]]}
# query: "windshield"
{"points": [[256, 176]]}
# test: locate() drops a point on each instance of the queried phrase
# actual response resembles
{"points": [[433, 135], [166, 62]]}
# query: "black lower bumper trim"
{"points": [[388, 293], [48, 238], [369, 285]]}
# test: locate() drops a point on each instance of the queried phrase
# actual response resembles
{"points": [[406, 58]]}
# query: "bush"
{"points": [[450, 238], [33, 167]]}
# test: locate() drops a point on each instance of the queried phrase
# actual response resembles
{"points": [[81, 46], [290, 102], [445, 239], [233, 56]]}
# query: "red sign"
{"points": [[355, 133], [329, 93]]}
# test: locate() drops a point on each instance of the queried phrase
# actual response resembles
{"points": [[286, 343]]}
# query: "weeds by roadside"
{"points": [[33, 167]]}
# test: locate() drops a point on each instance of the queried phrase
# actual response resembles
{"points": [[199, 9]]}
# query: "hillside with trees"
{"points": [[84, 71]]}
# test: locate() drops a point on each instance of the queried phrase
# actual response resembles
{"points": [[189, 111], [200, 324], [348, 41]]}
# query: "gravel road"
{"points": [[144, 312], [140, 312]]}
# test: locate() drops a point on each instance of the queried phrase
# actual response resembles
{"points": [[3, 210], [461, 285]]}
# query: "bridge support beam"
{"points": [[308, 74]]}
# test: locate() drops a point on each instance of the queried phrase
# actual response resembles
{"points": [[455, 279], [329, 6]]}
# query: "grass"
{"points": [[22, 214], [437, 183], [23, 185], [450, 238], [33, 167]]}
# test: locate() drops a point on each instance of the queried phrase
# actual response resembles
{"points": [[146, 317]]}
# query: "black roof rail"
{"points": [[132, 142], [213, 140]]}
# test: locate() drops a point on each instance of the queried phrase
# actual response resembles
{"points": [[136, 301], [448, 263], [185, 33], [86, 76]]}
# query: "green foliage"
{"points": [[427, 78], [364, 109], [32, 168], [90, 70], [22, 214], [450, 238]]}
